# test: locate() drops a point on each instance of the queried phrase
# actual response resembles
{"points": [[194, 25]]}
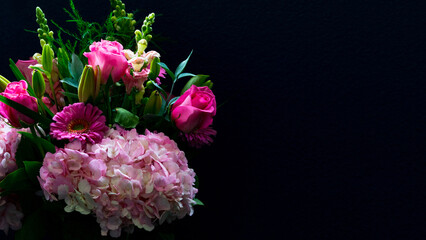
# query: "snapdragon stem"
{"points": [[49, 77]]}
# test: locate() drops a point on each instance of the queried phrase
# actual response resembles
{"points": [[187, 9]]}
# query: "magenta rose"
{"points": [[17, 91], [195, 109], [109, 56]]}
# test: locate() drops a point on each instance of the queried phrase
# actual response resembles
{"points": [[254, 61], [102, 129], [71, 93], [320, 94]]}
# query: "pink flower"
{"points": [[138, 70], [109, 56], [17, 91], [125, 180], [23, 66], [9, 141], [194, 109], [77, 121], [10, 214]]}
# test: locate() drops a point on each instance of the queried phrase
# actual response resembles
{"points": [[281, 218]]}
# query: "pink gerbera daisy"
{"points": [[78, 121]]}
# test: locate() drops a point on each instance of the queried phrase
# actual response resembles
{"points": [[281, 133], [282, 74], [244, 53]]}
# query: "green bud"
{"points": [[155, 69], [153, 106], [87, 87], [150, 85], [42, 42], [47, 58], [39, 85], [3, 83], [142, 45]]}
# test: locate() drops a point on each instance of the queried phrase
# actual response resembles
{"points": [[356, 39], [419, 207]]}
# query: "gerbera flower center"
{"points": [[78, 126]]}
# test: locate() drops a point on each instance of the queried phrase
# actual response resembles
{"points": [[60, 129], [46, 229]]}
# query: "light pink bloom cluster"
{"points": [[127, 179], [9, 140], [10, 215]]}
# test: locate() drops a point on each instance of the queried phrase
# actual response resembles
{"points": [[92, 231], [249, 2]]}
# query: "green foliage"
{"points": [[197, 80], [33, 226], [125, 118]]}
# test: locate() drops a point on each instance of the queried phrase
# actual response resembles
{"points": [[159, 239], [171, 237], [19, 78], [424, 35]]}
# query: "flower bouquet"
{"points": [[94, 136]]}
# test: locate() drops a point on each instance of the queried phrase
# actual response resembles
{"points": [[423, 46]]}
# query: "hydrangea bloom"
{"points": [[127, 179], [9, 140], [10, 215]]}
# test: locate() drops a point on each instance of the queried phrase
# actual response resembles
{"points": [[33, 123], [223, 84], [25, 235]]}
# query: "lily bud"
{"points": [[47, 58], [3, 83], [139, 96], [39, 85], [87, 85], [153, 106]]}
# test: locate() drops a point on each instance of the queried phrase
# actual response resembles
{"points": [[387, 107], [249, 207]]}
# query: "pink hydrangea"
{"points": [[10, 215], [127, 179], [9, 140]]}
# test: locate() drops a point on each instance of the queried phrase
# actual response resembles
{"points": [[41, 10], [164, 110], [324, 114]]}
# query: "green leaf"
{"points": [[33, 226], [26, 111], [46, 145], [171, 74], [182, 75], [15, 70], [71, 95], [182, 66], [197, 80], [75, 67], [40, 69], [125, 118], [33, 169], [16, 181], [198, 202], [71, 81], [27, 151], [166, 236]]}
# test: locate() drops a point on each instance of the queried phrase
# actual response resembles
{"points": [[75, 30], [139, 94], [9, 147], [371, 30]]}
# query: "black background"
{"points": [[322, 131]]}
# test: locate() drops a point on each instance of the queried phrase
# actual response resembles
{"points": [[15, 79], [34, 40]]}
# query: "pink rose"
{"points": [[109, 56], [194, 109], [17, 91], [23, 66]]}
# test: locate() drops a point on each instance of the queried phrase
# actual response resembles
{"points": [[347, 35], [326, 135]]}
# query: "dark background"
{"points": [[322, 131]]}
